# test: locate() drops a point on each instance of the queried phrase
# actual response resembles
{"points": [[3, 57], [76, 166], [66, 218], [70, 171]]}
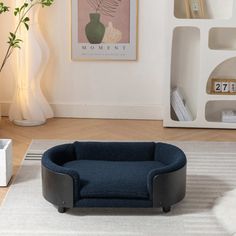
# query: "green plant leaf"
{"points": [[26, 26], [16, 11], [46, 3], [26, 19], [13, 36], [23, 19], [3, 8], [17, 46], [13, 41]]}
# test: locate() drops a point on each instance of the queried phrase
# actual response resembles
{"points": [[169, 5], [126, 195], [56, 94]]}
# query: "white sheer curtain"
{"points": [[29, 106]]}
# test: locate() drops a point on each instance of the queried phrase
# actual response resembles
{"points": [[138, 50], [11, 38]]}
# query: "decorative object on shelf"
{"points": [[195, 9], [223, 86], [179, 106], [104, 30], [5, 161], [29, 106], [228, 116]]}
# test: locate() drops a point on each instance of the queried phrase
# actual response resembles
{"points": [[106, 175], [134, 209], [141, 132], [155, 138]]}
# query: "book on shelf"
{"points": [[228, 116], [179, 106]]}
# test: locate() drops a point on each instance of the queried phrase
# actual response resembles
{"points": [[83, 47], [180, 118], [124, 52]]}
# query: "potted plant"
{"points": [[22, 13]]}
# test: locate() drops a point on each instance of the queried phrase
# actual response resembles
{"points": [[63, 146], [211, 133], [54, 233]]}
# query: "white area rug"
{"points": [[211, 173], [225, 211]]}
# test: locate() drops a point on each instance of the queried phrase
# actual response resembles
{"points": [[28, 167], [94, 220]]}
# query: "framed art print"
{"points": [[104, 29]]}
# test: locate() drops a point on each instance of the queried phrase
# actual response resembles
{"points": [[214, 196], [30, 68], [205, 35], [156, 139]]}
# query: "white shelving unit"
{"points": [[199, 50]]}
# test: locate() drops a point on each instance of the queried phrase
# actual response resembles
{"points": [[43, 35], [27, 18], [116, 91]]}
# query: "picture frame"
{"points": [[105, 31], [223, 86], [195, 9]]}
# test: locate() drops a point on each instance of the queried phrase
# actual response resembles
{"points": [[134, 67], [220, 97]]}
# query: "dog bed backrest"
{"points": [[115, 151]]}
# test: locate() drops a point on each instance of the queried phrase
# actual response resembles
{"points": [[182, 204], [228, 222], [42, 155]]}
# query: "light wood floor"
{"points": [[86, 129]]}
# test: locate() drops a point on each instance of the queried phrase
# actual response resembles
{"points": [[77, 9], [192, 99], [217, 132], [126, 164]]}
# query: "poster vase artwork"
{"points": [[96, 30], [112, 35], [104, 29]]}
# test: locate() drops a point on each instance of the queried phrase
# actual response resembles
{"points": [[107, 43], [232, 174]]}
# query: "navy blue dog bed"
{"points": [[114, 174]]}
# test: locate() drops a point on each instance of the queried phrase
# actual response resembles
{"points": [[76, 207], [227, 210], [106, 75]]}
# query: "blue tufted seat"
{"points": [[112, 174], [113, 179]]}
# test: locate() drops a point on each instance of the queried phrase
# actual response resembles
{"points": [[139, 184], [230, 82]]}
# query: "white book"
{"points": [[176, 109], [183, 109], [228, 116], [187, 113]]}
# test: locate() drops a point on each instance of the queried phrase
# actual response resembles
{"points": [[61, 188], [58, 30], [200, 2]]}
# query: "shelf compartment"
{"points": [[225, 70], [185, 65], [213, 109], [214, 97], [213, 9], [222, 38]]}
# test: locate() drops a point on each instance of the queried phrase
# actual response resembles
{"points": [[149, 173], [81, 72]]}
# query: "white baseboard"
{"points": [[147, 112]]}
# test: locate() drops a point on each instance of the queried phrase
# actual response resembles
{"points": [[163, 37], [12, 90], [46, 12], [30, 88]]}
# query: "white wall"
{"points": [[100, 89]]}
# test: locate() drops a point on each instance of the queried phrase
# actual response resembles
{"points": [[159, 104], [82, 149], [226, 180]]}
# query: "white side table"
{"points": [[5, 161]]}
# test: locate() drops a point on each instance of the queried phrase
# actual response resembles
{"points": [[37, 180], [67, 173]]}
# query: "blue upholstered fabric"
{"points": [[107, 173], [170, 155], [113, 179], [121, 203], [115, 151]]}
